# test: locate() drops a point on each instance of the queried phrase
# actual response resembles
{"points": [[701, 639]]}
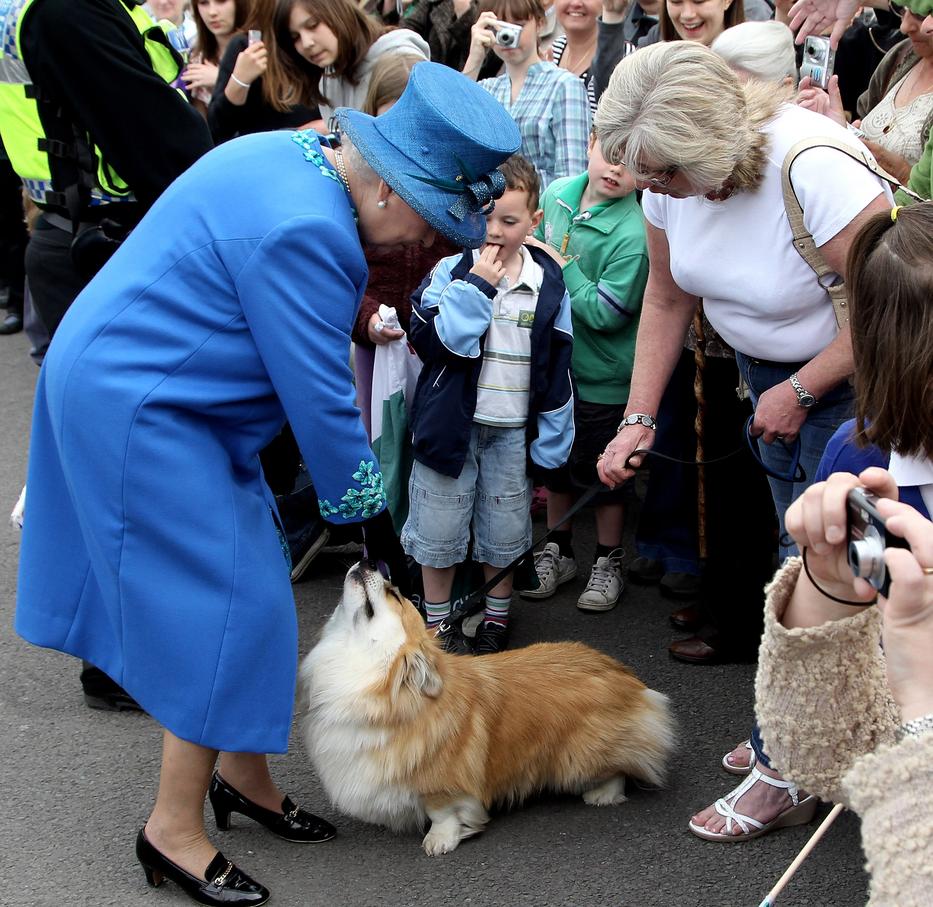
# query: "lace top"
{"points": [[898, 129]]}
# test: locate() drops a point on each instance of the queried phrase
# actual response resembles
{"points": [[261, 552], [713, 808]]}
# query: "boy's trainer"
{"points": [[604, 588], [553, 570], [491, 638]]}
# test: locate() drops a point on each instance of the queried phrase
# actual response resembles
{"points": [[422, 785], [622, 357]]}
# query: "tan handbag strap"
{"points": [[803, 241]]}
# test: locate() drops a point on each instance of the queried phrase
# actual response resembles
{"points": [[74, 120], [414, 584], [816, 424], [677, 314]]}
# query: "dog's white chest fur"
{"points": [[348, 753]]}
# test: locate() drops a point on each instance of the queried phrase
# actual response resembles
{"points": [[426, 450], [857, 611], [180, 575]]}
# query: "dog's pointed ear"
{"points": [[420, 674]]}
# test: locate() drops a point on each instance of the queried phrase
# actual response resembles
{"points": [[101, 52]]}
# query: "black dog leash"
{"points": [[475, 601]]}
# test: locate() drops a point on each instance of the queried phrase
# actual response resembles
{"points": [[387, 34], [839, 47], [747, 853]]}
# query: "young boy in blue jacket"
{"points": [[494, 401]]}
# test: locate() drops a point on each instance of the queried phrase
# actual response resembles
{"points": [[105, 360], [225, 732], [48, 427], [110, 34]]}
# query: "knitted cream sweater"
{"points": [[828, 721]]}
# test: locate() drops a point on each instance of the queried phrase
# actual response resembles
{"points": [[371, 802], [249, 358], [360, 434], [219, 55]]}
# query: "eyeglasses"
{"points": [[659, 178]]}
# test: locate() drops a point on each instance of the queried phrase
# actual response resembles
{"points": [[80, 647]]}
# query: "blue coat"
{"points": [[149, 547]]}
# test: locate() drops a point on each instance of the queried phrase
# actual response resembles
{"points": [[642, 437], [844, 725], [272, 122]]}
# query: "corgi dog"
{"points": [[401, 732]]}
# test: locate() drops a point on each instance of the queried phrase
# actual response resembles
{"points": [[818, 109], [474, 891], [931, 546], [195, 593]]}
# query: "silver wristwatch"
{"points": [[638, 419], [804, 398]]}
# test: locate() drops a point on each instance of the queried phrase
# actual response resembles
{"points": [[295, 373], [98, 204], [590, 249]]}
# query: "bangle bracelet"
{"points": [[915, 728], [240, 82]]}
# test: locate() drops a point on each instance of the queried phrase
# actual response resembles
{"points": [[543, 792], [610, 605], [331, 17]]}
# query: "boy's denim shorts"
{"points": [[492, 492]]}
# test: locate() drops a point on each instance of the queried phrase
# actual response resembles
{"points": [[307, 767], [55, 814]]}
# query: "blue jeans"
{"points": [[492, 493], [822, 421]]}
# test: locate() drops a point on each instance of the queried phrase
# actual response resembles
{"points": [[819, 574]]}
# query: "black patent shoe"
{"points": [[292, 824], [223, 883]]}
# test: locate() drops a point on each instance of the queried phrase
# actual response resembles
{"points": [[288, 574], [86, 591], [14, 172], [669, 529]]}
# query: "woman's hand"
{"points": [[482, 38], [828, 103], [488, 265], [381, 335], [200, 75], [534, 241], [614, 10], [817, 521], [907, 630], [899, 167], [611, 464], [251, 63], [384, 548], [777, 415]]}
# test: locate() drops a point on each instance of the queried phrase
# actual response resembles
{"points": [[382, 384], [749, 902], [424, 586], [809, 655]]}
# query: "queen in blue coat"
{"points": [[150, 545]]}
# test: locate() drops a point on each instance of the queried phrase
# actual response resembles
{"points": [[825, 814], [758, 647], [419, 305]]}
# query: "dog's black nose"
{"points": [[370, 563]]}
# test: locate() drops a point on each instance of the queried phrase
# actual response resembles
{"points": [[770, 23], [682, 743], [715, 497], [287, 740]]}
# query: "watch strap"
{"points": [[800, 390]]}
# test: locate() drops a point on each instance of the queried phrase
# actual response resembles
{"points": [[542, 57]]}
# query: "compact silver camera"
{"points": [[507, 34], [868, 537], [818, 60]]}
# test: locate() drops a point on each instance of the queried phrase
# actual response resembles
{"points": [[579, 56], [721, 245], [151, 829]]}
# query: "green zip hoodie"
{"points": [[605, 275]]}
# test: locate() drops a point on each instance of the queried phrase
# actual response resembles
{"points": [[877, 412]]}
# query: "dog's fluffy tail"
{"points": [[651, 746]]}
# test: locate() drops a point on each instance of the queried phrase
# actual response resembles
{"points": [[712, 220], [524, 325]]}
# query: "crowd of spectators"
{"points": [[648, 215]]}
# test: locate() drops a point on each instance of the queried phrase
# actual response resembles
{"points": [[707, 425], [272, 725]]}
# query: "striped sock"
{"points": [[497, 610], [437, 612]]}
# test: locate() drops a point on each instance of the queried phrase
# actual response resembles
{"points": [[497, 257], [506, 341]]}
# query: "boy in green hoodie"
{"points": [[595, 224]]}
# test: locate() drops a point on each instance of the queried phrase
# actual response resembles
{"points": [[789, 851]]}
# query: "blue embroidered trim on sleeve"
{"points": [[312, 152], [366, 501]]}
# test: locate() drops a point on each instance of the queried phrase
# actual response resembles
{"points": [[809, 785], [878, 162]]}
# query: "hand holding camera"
{"points": [[907, 631], [486, 33], [826, 101], [842, 525]]}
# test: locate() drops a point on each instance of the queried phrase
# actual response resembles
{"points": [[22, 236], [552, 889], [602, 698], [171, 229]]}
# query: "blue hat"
{"points": [[438, 148]]}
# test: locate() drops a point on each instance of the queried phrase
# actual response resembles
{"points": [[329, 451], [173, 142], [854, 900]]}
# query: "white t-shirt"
{"points": [[738, 254], [505, 375]]}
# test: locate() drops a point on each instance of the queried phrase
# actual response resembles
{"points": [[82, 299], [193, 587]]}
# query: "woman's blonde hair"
{"points": [[677, 105]]}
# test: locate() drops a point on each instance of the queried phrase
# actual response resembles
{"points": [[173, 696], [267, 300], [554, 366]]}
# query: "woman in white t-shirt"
{"points": [[709, 150]]}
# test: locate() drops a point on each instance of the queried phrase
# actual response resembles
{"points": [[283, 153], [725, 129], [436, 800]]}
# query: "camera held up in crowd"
{"points": [[818, 61], [868, 537], [507, 34]]}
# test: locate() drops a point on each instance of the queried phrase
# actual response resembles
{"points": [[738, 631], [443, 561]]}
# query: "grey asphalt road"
{"points": [[76, 785]]}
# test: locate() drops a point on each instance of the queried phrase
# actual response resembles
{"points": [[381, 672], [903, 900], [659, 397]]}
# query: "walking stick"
{"points": [[699, 357], [771, 896]]}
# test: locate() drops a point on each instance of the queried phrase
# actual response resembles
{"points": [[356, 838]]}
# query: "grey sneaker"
{"points": [[553, 571], [604, 588]]}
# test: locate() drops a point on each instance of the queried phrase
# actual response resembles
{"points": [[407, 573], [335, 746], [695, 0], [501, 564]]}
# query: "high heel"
{"points": [[292, 823], [223, 884]]}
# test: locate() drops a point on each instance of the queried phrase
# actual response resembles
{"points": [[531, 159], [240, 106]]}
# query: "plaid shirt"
{"points": [[553, 114]]}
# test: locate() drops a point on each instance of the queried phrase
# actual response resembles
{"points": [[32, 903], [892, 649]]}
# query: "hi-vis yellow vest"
{"points": [[20, 127]]}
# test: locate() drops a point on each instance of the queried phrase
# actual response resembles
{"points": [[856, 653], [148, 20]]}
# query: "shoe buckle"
{"points": [[222, 878], [291, 816]]}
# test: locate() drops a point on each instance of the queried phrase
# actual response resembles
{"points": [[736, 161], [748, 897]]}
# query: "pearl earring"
{"points": [[381, 203]]}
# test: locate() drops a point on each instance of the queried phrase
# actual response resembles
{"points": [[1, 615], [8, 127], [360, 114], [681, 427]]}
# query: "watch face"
{"points": [[806, 400]]}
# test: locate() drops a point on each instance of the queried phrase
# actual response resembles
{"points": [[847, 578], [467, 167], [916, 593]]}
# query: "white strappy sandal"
{"points": [[800, 813], [740, 769]]}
